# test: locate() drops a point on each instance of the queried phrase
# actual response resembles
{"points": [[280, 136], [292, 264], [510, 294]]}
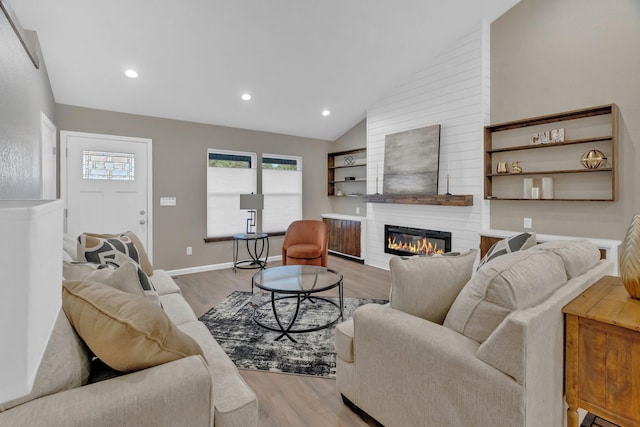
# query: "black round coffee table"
{"points": [[302, 283]]}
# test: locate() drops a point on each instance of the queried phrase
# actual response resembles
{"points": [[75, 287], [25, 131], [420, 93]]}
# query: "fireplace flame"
{"points": [[418, 247]]}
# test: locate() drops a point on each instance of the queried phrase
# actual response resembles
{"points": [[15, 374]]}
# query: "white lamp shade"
{"points": [[30, 291], [252, 201]]}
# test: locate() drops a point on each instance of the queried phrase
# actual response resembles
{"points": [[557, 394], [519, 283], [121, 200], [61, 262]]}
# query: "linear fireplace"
{"points": [[401, 240]]}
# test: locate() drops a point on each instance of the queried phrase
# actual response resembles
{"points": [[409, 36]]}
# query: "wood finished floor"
{"points": [[289, 400]]}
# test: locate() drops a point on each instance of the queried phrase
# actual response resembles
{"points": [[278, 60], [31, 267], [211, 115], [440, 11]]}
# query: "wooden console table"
{"points": [[602, 354]]}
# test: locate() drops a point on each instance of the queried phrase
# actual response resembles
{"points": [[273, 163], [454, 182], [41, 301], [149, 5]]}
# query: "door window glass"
{"points": [[106, 165]]}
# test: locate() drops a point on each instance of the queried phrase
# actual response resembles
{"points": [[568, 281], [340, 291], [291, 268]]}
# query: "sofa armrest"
{"points": [[173, 394], [403, 362]]}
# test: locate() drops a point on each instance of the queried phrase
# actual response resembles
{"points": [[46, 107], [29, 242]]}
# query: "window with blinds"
{"points": [[229, 174], [282, 189]]}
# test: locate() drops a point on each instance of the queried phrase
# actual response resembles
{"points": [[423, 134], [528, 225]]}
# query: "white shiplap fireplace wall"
{"points": [[453, 92]]}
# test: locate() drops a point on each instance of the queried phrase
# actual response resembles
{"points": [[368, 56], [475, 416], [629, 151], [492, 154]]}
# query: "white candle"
{"points": [[528, 184], [547, 188], [535, 193]]}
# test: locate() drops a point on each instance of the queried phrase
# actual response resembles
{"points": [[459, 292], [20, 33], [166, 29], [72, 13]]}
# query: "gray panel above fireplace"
{"points": [[411, 160]]}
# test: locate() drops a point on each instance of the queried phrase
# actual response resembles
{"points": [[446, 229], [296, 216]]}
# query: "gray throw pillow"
{"points": [[511, 244]]}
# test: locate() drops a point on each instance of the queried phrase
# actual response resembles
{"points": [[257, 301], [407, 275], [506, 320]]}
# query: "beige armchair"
{"points": [[449, 351]]}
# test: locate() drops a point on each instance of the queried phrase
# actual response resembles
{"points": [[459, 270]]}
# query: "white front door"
{"points": [[106, 184]]}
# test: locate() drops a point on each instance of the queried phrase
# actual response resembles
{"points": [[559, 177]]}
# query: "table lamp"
{"points": [[252, 202]]}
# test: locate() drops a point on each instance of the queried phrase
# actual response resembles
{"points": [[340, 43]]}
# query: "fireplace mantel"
{"points": [[422, 199]]}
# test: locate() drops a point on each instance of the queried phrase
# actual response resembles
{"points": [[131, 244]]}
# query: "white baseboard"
{"points": [[210, 267]]}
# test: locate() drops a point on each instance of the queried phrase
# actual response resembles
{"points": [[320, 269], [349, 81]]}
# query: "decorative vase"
{"points": [[629, 261]]}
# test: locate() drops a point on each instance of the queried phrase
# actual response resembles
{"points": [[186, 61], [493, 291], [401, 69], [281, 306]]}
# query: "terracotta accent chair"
{"points": [[306, 243]]}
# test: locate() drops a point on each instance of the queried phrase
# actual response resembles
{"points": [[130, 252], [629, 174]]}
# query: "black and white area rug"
{"points": [[251, 346]]}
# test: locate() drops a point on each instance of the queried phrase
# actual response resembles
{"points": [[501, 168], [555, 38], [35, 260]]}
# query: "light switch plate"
{"points": [[167, 201], [527, 223]]}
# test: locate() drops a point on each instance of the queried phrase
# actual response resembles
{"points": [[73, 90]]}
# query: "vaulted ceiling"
{"points": [[195, 58]]}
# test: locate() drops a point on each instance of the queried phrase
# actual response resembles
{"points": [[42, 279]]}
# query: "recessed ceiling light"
{"points": [[132, 74], [246, 97], [326, 112]]}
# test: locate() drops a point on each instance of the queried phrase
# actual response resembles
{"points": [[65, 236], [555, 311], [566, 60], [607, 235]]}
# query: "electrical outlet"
{"points": [[189, 250], [528, 223], [357, 210]]}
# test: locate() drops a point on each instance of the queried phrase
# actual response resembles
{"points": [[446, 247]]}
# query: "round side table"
{"points": [[258, 251]]}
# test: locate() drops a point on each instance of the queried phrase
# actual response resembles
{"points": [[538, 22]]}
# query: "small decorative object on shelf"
{"points": [[629, 261], [502, 167], [515, 167], [528, 185], [557, 135], [547, 188], [535, 192], [348, 161], [349, 178], [546, 137], [593, 159]]}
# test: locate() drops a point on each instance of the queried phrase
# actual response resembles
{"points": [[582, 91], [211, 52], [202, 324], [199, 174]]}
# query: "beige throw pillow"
{"points": [[125, 331], [427, 286], [129, 277], [509, 282]]}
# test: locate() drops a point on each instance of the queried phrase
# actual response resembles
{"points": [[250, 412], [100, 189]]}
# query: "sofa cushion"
{"points": [[65, 364], [177, 308], [125, 331], [113, 249], [511, 244], [518, 280], [129, 277], [427, 286], [578, 255]]}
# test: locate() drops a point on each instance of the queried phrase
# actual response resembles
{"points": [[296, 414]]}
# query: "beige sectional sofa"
{"points": [[489, 353], [191, 391]]}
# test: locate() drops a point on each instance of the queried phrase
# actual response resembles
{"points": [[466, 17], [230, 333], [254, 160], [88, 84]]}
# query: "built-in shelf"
{"points": [[343, 164], [349, 166], [593, 129], [552, 144], [422, 199], [553, 172], [349, 180]]}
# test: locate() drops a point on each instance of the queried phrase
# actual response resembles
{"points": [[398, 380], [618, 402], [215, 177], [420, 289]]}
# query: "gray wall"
{"points": [[354, 138], [549, 56], [25, 92], [179, 170]]}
